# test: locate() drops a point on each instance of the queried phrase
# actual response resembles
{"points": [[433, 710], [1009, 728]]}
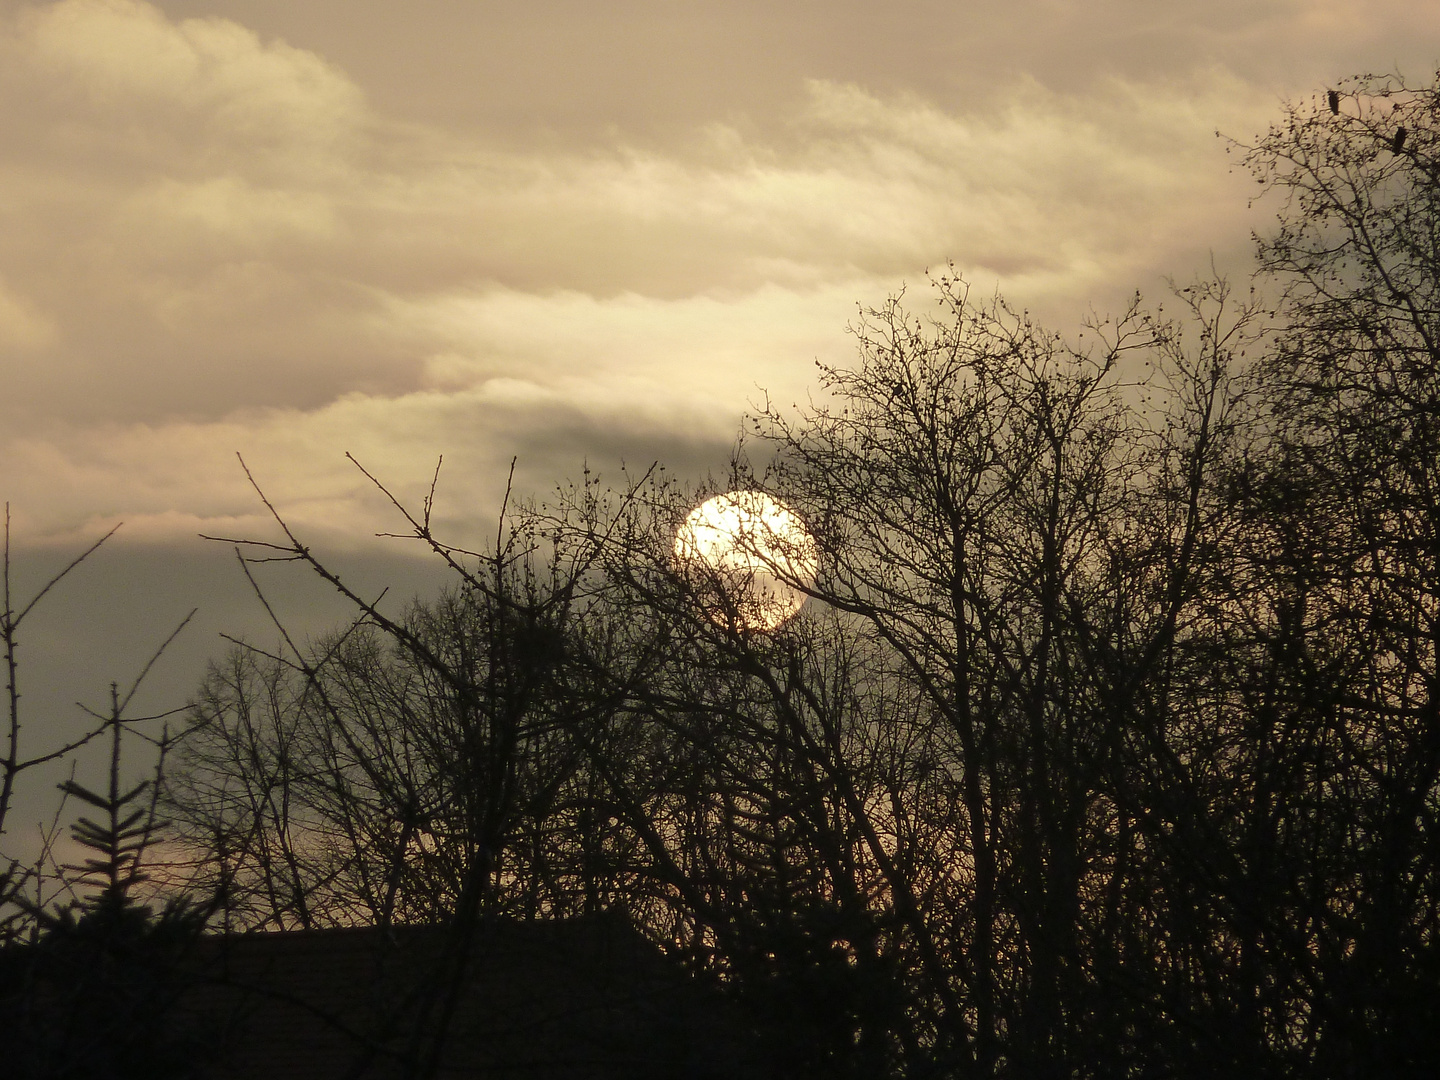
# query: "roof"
{"points": [[576, 998]]}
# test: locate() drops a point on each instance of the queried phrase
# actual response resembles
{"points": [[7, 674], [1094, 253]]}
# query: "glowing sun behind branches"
{"points": [[751, 556]]}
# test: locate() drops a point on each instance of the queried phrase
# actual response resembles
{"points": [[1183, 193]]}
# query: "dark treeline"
{"points": [[1106, 746]]}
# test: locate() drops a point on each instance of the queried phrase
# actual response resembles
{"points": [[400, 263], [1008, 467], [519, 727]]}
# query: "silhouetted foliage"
{"points": [[93, 990], [96, 995]]}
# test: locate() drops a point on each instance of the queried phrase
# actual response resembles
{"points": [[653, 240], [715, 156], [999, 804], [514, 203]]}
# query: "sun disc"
{"points": [[754, 555]]}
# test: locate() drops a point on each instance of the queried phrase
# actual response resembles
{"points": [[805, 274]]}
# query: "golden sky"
{"points": [[567, 231], [563, 230]]}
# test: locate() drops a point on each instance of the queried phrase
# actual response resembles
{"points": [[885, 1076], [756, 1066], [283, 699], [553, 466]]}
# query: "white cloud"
{"points": [[229, 209], [123, 55], [582, 233], [22, 327], [213, 243]]}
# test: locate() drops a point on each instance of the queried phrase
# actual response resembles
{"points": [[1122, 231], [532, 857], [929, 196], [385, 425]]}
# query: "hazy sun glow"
{"points": [[755, 555]]}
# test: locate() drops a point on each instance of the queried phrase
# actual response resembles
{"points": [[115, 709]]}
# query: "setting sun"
{"points": [[755, 550]]}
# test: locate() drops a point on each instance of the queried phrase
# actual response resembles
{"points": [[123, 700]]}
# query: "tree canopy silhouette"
{"points": [[1107, 745]]}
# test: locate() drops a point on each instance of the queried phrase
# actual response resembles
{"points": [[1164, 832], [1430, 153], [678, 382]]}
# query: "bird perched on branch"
{"points": [[1333, 97], [1399, 140]]}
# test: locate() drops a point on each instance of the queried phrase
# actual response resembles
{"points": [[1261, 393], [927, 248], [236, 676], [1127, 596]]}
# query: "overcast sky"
{"points": [[564, 231]]}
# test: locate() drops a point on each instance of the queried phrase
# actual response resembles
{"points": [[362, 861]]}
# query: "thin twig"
{"points": [[430, 498], [67, 748], [58, 577], [158, 653]]}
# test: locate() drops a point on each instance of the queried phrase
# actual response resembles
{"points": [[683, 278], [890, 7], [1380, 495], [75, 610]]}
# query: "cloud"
{"points": [[573, 232], [121, 56], [22, 328], [179, 479], [214, 242]]}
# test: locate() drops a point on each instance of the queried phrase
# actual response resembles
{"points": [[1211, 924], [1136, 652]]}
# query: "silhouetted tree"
{"points": [[1347, 508], [94, 991], [1108, 744], [18, 879]]}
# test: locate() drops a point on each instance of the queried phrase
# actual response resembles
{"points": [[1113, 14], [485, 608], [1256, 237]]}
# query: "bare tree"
{"points": [[15, 877], [1107, 744], [25, 898], [1346, 529]]}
